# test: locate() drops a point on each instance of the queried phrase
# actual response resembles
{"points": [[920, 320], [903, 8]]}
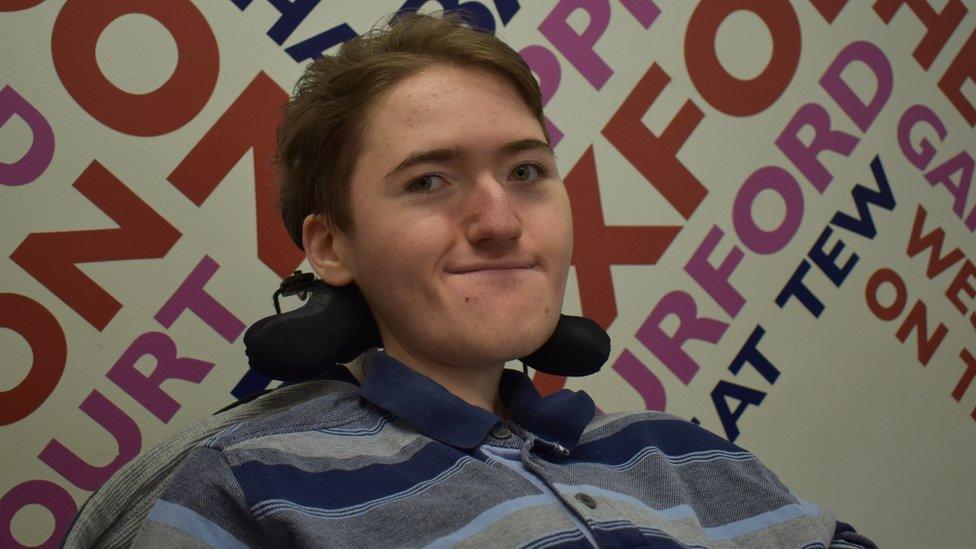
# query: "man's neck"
{"points": [[475, 384]]}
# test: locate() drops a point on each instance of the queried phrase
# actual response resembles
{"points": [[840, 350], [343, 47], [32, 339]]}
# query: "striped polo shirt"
{"points": [[401, 462]]}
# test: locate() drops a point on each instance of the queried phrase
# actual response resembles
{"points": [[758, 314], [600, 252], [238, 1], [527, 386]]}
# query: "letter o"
{"points": [[169, 107], [40, 492], [893, 311], [43, 333], [780, 181], [724, 91], [17, 5]]}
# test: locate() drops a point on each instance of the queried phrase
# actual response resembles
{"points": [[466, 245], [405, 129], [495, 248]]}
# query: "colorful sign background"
{"points": [[773, 207]]}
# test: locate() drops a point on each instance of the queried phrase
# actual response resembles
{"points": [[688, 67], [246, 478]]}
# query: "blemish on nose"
{"points": [[467, 299]]}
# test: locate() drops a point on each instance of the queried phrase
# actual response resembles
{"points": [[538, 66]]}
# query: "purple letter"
{"points": [[643, 380], [578, 48], [667, 348], [37, 492], [38, 157], [942, 174], [805, 157], [147, 390], [860, 112], [915, 114], [546, 68], [81, 473], [716, 281], [782, 183], [191, 295], [645, 11]]}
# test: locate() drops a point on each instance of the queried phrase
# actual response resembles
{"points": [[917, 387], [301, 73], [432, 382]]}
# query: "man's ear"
{"points": [[320, 243]]}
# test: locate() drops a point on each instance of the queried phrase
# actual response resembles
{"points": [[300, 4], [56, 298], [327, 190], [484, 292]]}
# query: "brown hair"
{"points": [[320, 138]]}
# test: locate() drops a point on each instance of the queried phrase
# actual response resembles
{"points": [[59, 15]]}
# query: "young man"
{"points": [[416, 165]]}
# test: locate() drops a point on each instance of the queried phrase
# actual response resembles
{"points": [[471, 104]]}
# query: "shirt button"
{"points": [[586, 500], [501, 432]]}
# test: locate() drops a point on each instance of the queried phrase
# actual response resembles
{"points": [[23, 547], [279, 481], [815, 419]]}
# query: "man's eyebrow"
{"points": [[445, 155], [433, 155], [528, 144]]}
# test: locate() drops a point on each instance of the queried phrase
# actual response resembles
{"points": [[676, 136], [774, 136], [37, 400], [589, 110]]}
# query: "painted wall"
{"points": [[772, 201]]}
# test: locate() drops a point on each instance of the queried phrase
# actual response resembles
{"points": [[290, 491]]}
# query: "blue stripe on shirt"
{"points": [[491, 516], [273, 505], [658, 480], [347, 487], [674, 438], [192, 523], [762, 520]]}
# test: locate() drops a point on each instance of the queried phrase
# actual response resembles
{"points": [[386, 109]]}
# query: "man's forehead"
{"points": [[453, 111], [422, 96]]}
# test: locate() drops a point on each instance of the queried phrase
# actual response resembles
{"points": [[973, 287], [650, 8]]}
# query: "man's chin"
{"points": [[511, 339]]}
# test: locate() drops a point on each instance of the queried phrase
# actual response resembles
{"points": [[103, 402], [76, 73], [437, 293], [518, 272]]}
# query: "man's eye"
{"points": [[426, 183], [527, 172]]}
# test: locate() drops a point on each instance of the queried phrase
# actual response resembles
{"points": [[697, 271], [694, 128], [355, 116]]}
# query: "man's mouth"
{"points": [[491, 266]]}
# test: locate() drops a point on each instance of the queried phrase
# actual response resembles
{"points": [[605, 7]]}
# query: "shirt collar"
{"points": [[439, 414]]}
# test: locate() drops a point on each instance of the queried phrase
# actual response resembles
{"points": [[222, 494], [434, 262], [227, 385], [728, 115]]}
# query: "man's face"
{"points": [[463, 229]]}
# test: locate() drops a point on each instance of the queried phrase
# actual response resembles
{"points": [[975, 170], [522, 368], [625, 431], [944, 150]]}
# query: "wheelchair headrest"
{"points": [[335, 325]]}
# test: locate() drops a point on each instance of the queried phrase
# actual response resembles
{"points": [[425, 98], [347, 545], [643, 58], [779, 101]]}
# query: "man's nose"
{"points": [[492, 217]]}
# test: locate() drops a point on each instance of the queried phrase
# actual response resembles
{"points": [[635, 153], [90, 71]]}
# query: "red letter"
{"points": [[16, 5], [724, 91], [249, 124], [962, 68], [597, 246], [917, 320], [829, 9], [961, 283], [52, 258], [46, 339], [76, 33], [889, 312], [917, 242], [939, 26], [656, 158], [967, 376]]}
